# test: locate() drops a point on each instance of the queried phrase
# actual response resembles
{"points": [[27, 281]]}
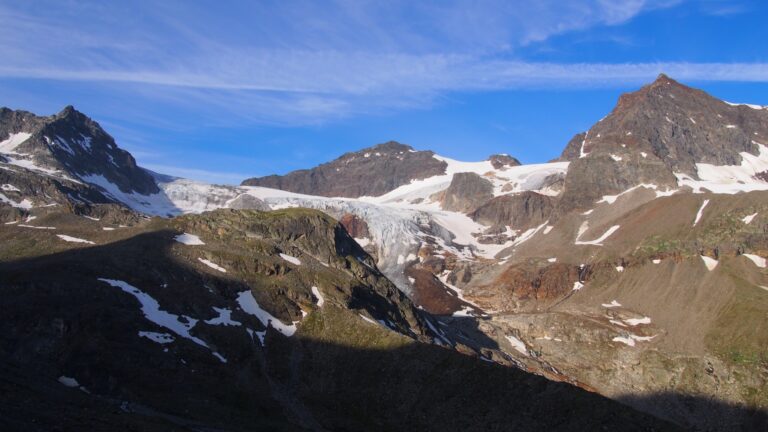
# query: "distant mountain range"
{"points": [[633, 266]]}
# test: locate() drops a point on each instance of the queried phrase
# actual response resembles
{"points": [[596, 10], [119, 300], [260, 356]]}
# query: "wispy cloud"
{"points": [[306, 62]]}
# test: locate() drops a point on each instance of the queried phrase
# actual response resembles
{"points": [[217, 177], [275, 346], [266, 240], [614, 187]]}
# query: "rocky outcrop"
{"points": [[248, 202], [600, 174], [372, 171], [519, 211], [500, 161], [572, 150], [355, 225], [528, 287], [466, 192]]}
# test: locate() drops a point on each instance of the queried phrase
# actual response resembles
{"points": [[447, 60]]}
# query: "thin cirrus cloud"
{"points": [[308, 62]]}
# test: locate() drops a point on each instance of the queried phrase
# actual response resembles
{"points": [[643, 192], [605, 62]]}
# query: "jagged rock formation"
{"points": [[369, 172]]}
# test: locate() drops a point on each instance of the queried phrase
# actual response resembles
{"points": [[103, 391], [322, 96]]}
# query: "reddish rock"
{"points": [[355, 226]]}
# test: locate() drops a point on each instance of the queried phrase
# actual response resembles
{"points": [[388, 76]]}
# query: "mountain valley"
{"points": [[622, 286]]}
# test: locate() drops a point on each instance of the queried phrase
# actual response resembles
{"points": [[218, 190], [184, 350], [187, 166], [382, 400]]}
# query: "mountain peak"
{"points": [[68, 110], [372, 171]]}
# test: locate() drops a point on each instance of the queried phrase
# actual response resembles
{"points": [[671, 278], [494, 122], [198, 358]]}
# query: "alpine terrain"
{"points": [[622, 286]]}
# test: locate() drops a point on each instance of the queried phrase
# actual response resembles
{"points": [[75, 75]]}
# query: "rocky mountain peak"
{"points": [[372, 171], [74, 145], [663, 129]]}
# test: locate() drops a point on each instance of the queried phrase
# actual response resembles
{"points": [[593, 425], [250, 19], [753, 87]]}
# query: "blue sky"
{"points": [[258, 87]]}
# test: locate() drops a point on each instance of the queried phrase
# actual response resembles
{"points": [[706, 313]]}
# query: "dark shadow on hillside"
{"points": [[58, 320]]}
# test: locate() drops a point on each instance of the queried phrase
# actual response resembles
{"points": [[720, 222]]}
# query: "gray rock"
{"points": [[520, 211], [466, 192], [248, 202]]}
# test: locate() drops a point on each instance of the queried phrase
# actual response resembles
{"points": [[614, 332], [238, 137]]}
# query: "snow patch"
{"points": [[748, 219], [318, 296], [189, 239], [24, 204], [577, 286], [637, 321], [9, 188], [249, 305], [161, 338], [598, 241], [631, 339], [151, 310], [729, 179], [612, 304], [711, 263], [517, 344], [224, 318], [758, 260], [68, 381], [13, 141]]}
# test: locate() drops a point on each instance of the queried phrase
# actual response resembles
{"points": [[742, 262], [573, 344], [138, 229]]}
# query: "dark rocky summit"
{"points": [[372, 171]]}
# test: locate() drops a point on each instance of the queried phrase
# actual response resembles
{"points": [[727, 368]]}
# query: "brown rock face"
{"points": [[467, 192], [519, 211], [372, 171], [431, 294], [355, 226], [529, 287]]}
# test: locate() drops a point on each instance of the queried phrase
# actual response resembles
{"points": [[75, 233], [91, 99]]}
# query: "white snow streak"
{"points": [[290, 259], [700, 212], [73, 239], [212, 265]]}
